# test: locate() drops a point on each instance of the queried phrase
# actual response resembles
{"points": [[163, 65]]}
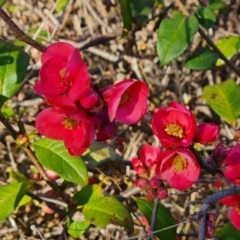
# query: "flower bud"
{"points": [[212, 217], [163, 193], [209, 230], [155, 182], [51, 175], [206, 133], [22, 140], [219, 153], [90, 100], [211, 161], [142, 183]]}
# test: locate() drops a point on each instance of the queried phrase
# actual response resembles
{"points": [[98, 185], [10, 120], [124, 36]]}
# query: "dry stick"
{"points": [[8, 126], [20, 35], [209, 41]]}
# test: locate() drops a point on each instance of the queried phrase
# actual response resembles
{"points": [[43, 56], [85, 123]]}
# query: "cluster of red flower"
{"points": [[175, 126], [80, 111]]}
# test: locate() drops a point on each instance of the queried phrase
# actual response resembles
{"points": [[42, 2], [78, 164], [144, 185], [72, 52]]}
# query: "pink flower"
{"points": [[206, 133], [72, 128], [174, 125], [179, 168], [63, 71], [127, 101]]}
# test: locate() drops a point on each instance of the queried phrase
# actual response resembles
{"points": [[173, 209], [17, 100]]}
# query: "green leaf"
{"points": [[228, 46], [205, 59], [174, 36], [76, 229], [164, 218], [205, 17], [227, 232], [106, 210], [126, 13], [217, 5], [141, 9], [13, 66], [224, 99], [61, 5], [10, 196], [99, 152], [8, 112], [53, 155], [2, 2], [87, 194]]}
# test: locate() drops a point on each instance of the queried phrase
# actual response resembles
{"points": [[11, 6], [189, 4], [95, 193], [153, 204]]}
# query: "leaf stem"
{"points": [[20, 35], [153, 217]]}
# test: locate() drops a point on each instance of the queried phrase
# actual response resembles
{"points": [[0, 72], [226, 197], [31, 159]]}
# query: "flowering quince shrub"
{"points": [[77, 133]]}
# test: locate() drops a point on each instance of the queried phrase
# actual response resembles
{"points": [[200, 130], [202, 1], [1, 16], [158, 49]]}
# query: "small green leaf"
{"points": [[61, 5], [228, 46], [205, 17], [8, 112], [164, 218], [174, 36], [224, 99], [76, 229], [13, 66], [205, 59], [53, 155], [106, 210], [10, 196], [227, 232], [2, 2], [217, 5], [141, 9], [126, 13], [87, 194], [98, 152]]}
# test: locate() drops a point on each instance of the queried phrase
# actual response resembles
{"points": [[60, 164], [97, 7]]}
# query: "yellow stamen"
{"points": [[70, 123], [180, 163], [175, 129], [125, 98]]}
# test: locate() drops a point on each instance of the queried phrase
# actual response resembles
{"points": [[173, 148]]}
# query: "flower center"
{"points": [[62, 73], [237, 209], [70, 123], [125, 98], [175, 129], [180, 163]]}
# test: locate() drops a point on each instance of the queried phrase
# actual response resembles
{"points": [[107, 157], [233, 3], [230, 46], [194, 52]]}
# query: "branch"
{"points": [[153, 217], [8, 126], [20, 35]]}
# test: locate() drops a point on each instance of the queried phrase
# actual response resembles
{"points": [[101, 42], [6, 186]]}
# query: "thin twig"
{"points": [[209, 41], [20, 35], [8, 126], [153, 218]]}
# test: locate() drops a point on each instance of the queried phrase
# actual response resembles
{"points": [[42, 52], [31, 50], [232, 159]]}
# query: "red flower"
{"points": [[179, 167], [174, 125], [206, 133], [63, 71], [55, 124], [235, 216], [127, 101], [232, 163]]}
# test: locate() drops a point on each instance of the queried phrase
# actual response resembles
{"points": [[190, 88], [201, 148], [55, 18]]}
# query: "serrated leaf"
{"points": [[87, 194], [53, 155], [174, 36], [205, 59], [141, 9], [228, 46], [2, 2], [13, 66], [106, 210], [98, 152], [224, 99], [217, 5], [227, 232], [126, 13], [164, 218], [205, 17], [76, 229], [10, 196]]}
